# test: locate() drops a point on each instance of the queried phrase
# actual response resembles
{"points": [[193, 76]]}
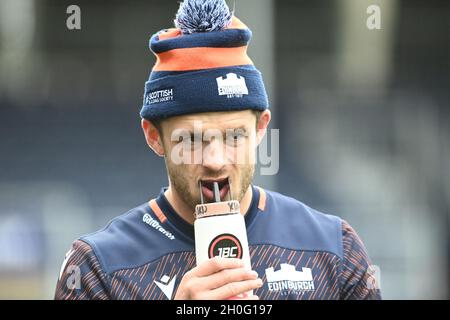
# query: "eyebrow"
{"points": [[196, 136], [241, 128]]}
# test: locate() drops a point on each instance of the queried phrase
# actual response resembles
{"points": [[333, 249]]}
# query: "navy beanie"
{"points": [[202, 65]]}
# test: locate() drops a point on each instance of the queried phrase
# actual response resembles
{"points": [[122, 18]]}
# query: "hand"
{"points": [[218, 279]]}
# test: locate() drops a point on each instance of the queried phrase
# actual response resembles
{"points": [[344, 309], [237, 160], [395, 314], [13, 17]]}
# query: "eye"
{"points": [[236, 137], [194, 140]]}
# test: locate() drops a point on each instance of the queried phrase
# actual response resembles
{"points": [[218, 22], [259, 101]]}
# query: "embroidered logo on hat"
{"points": [[159, 96], [232, 85]]}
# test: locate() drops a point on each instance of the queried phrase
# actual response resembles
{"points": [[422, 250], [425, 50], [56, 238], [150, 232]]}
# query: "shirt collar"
{"points": [[186, 228]]}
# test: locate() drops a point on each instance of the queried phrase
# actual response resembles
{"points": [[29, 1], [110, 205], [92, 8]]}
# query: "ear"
{"points": [[152, 136], [263, 123]]}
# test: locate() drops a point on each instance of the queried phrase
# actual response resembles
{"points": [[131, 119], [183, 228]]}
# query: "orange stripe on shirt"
{"points": [[185, 59], [159, 214], [262, 199]]}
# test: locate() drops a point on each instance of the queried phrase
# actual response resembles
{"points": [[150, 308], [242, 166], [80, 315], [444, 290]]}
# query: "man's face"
{"points": [[207, 148]]}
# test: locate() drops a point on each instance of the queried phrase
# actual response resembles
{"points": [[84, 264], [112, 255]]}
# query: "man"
{"points": [[203, 82]]}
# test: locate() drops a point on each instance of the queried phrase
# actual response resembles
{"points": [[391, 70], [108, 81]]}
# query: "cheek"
{"points": [[243, 154], [230, 154], [183, 176]]}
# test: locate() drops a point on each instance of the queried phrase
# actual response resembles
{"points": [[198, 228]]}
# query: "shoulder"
{"points": [[81, 276], [286, 207], [131, 240], [290, 223]]}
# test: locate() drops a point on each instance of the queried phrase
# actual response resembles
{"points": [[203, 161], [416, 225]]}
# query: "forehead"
{"points": [[220, 120]]}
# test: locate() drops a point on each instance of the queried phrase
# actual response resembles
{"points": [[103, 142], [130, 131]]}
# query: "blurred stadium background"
{"points": [[363, 117]]}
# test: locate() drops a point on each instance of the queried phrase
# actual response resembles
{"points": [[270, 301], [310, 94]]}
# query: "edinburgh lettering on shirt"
{"points": [[159, 96]]}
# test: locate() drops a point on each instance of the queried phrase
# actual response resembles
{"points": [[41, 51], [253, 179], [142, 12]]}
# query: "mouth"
{"points": [[207, 188]]}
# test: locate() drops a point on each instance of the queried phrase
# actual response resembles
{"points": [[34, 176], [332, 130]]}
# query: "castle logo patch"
{"points": [[232, 86]]}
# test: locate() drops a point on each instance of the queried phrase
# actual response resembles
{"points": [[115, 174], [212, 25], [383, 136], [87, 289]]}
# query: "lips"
{"points": [[208, 188]]}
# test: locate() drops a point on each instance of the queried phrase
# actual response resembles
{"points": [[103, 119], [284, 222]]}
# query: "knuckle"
{"points": [[233, 289], [216, 262], [189, 286], [196, 295], [188, 274], [228, 275]]}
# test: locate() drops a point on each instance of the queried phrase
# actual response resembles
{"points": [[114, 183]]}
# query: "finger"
{"points": [[234, 289], [252, 297], [217, 264], [226, 276]]}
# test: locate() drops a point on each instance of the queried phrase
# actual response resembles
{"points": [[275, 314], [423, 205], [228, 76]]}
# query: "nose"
{"points": [[213, 155]]}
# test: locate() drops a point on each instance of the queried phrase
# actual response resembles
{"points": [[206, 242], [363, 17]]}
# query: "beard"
{"points": [[187, 187]]}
